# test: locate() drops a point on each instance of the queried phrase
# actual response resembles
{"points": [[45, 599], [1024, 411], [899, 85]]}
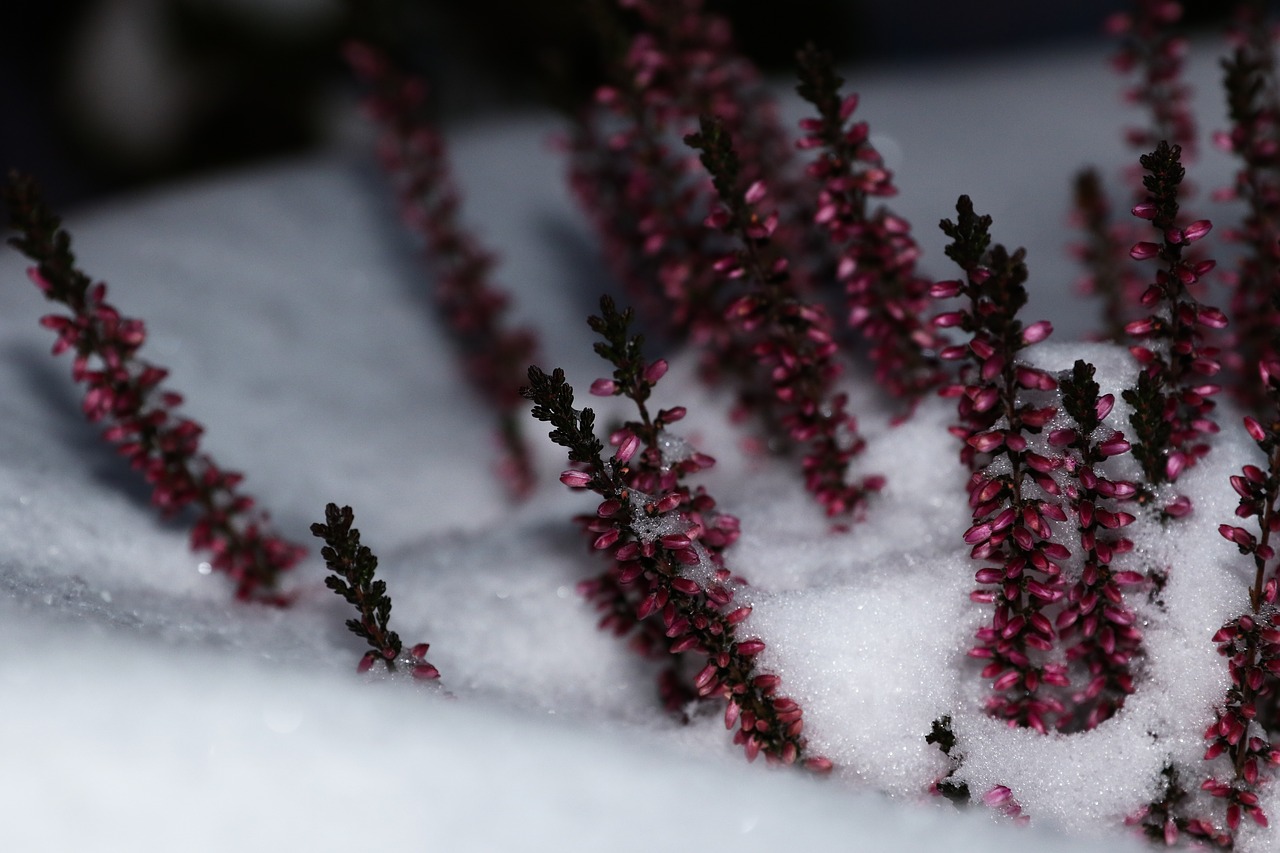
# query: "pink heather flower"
{"points": [[1037, 332], [1196, 230], [1144, 250], [1179, 507], [627, 448]]}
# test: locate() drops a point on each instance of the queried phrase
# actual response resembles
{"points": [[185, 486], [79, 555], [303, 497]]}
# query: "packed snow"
{"points": [[147, 711]]}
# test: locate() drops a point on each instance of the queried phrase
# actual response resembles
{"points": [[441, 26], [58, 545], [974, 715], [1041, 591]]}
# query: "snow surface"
{"points": [[146, 711]]}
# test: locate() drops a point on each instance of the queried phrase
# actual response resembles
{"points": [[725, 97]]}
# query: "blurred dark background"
{"points": [[105, 96]]}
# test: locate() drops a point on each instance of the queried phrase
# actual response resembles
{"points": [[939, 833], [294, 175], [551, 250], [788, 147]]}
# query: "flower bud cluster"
{"points": [[1153, 50], [646, 199], [666, 546], [877, 254], [789, 339], [1173, 407], [1251, 641], [413, 154], [1104, 252], [1254, 138], [1014, 496], [1105, 638], [124, 391]]}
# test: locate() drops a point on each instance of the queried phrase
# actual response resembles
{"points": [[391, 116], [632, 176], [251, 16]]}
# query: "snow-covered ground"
{"points": [[144, 710]]}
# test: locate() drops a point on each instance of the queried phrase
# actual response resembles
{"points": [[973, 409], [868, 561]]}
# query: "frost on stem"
{"points": [[1253, 105], [789, 338], [876, 253], [665, 544], [643, 193], [1172, 406], [413, 154], [1099, 624], [353, 566], [124, 392], [1013, 496]]}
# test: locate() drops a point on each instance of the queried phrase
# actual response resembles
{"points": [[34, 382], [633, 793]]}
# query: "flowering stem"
{"points": [[791, 338], [353, 566], [1109, 641], [413, 153], [1254, 137], [124, 391], [1010, 527], [1154, 48], [1172, 409], [877, 254], [665, 539], [1104, 254]]}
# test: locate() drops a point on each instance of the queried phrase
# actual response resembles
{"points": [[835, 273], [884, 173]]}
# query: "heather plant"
{"points": [[885, 296], [789, 337], [1013, 496], [1100, 626], [1109, 274], [634, 181], [1153, 50], [1254, 138], [1061, 644], [655, 541], [1172, 400], [353, 566], [472, 307], [125, 392], [1251, 641]]}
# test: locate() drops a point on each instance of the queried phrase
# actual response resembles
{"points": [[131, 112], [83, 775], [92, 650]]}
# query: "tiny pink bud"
{"points": [[997, 796], [655, 371], [575, 479], [627, 449], [945, 289], [1037, 332], [604, 388], [426, 672], [1197, 229], [756, 192], [1144, 250]]}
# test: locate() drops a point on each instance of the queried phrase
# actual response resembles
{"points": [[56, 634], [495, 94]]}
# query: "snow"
{"points": [[144, 710]]}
